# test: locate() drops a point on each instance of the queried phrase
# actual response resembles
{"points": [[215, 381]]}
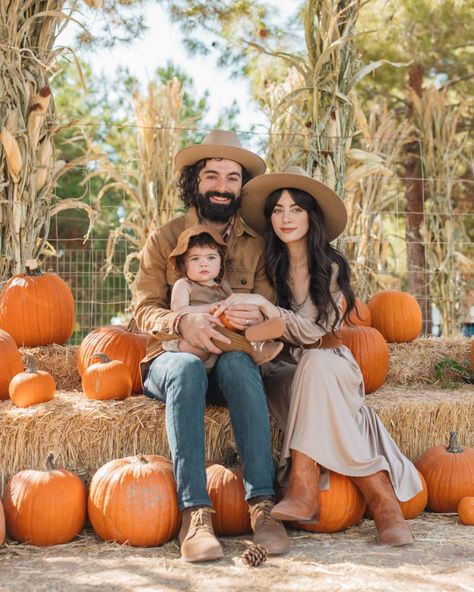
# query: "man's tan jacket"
{"points": [[244, 270]]}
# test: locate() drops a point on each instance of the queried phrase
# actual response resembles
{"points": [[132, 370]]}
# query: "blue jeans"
{"points": [[180, 380]]}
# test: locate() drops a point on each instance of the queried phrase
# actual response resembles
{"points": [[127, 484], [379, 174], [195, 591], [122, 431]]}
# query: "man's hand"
{"points": [[198, 329]]}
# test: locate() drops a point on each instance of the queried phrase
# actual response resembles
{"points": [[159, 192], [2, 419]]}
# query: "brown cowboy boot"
{"points": [[267, 531], [301, 500], [196, 535], [378, 492]]}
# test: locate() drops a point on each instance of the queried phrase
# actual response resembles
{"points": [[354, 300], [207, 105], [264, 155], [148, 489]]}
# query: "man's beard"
{"points": [[215, 212]]}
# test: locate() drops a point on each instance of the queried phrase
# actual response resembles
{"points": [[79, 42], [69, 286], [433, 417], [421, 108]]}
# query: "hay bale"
{"points": [[414, 362], [60, 361], [85, 434]]}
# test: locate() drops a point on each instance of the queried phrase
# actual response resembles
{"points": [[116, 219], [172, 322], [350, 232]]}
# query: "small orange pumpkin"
{"points": [[11, 363], [31, 386], [107, 379], [37, 308], [227, 323], [132, 500], [466, 510], [397, 315], [341, 506], [45, 507], [225, 487], [449, 474], [370, 351], [119, 343], [2, 524]]}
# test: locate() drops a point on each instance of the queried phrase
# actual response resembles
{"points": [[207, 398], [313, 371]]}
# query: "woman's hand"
{"points": [[234, 301], [244, 310]]}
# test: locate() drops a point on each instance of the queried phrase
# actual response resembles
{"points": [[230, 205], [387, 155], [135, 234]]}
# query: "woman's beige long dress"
{"points": [[317, 397]]}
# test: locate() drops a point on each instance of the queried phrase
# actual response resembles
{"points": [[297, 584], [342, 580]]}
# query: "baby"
{"points": [[199, 256]]}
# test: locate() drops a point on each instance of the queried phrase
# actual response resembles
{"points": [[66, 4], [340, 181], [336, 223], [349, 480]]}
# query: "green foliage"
{"points": [[446, 368]]}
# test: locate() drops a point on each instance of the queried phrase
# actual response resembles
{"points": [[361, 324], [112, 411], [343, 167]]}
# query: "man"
{"points": [[210, 180]]}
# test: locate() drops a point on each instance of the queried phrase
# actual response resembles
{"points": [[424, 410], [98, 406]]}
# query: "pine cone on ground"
{"points": [[254, 555]]}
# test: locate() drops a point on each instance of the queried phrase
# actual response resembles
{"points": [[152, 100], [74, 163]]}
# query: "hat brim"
{"points": [[256, 191], [192, 154]]}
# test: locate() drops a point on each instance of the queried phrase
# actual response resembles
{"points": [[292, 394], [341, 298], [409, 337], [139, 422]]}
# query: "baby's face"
{"points": [[202, 264]]}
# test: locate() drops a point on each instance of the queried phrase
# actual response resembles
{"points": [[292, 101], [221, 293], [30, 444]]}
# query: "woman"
{"points": [[315, 388]]}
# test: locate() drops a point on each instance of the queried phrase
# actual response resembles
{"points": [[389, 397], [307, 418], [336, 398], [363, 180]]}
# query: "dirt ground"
{"points": [[442, 559]]}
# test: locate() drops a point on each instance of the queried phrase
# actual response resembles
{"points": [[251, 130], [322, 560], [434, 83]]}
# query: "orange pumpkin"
{"points": [[31, 386], [107, 379], [412, 507], [11, 363], [466, 510], [119, 343], [449, 474], [2, 524], [341, 506], [397, 315], [133, 500], [45, 507], [360, 315], [225, 487], [37, 308], [227, 323], [370, 351]]}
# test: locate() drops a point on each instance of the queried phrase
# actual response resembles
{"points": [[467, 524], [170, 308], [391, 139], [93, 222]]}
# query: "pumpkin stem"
{"points": [[30, 364], [142, 459], [50, 464], [104, 358], [32, 267], [454, 445], [132, 326]]}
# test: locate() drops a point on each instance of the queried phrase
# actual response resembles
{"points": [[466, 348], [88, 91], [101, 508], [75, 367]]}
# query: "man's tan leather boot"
{"points": [[391, 526], [267, 531], [301, 500], [196, 535]]}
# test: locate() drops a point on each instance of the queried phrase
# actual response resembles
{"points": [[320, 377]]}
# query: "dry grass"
{"points": [[440, 559]]}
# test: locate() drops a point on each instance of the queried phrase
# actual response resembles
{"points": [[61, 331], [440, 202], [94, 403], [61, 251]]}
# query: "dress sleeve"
{"points": [[301, 327]]}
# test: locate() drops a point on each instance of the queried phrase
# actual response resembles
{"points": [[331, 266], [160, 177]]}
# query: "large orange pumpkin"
{"points": [[45, 507], [225, 487], [133, 500], [31, 386], [37, 308], [397, 315], [360, 314], [341, 506], [107, 379], [10, 364], [118, 343], [449, 474], [466, 510], [2, 524], [370, 351]]}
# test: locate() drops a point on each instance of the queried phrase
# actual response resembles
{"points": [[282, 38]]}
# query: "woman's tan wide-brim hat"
{"points": [[256, 191], [184, 238], [221, 144]]}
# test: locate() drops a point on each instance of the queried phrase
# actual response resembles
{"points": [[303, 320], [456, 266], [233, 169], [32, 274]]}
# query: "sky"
{"points": [[162, 43]]}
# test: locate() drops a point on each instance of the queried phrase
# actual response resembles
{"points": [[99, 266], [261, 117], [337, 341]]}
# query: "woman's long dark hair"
{"points": [[321, 257]]}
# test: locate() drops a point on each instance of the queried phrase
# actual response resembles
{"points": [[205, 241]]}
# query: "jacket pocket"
{"points": [[241, 281]]}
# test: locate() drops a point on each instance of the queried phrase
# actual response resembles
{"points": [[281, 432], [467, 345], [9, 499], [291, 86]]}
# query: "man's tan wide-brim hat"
{"points": [[221, 144], [256, 191]]}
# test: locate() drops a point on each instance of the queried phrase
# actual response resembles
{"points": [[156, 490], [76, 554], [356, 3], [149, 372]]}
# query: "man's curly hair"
{"points": [[188, 182]]}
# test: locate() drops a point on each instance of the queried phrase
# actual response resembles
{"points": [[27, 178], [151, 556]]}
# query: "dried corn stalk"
{"points": [[312, 122], [444, 145], [28, 170], [373, 239], [148, 182]]}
